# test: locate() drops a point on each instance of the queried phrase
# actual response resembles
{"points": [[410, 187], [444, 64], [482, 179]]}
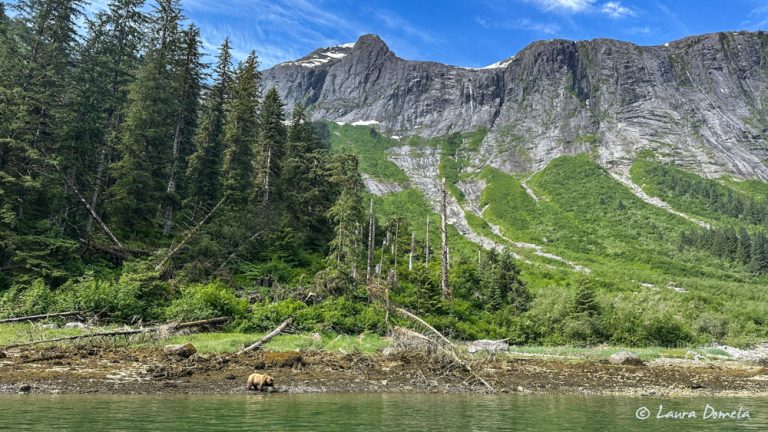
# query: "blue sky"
{"points": [[459, 32]]}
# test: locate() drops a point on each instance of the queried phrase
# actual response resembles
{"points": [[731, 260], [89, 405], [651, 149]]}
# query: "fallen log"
{"points": [[164, 327], [39, 317], [191, 233], [266, 338]]}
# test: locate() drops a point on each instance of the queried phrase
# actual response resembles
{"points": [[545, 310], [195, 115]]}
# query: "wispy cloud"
{"points": [[612, 9], [281, 30], [616, 10], [564, 5], [527, 24], [395, 22], [757, 19], [641, 30]]}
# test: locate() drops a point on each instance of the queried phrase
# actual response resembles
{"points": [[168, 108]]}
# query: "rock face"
{"points": [[491, 346], [181, 351], [625, 358], [700, 102]]}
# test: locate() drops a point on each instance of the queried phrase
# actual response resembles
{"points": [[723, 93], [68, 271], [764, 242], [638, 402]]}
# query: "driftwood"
{"points": [[266, 338], [191, 233], [39, 317], [171, 326], [444, 345]]}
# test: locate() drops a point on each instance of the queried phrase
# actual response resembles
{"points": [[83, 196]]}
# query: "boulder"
{"points": [[2, 355], [491, 346], [75, 325], [625, 358], [51, 326], [25, 388], [180, 350]]}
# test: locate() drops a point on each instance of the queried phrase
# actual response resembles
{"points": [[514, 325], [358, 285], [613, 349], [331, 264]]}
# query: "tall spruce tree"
{"points": [[189, 83], [149, 131], [107, 60], [203, 172], [272, 143], [241, 132], [306, 190], [346, 215]]}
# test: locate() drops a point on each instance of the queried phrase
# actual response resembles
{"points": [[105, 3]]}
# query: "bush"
{"points": [[119, 301], [336, 314], [267, 315], [32, 300], [203, 301]]}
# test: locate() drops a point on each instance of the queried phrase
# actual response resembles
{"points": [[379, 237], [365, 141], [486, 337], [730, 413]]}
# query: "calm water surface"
{"points": [[371, 412]]}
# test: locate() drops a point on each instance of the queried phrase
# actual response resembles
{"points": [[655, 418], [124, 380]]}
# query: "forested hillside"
{"points": [[138, 182]]}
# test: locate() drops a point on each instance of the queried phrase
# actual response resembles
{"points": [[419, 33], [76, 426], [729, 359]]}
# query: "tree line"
{"points": [[120, 131]]}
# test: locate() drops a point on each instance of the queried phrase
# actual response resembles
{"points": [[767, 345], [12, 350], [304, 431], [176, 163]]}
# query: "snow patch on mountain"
{"points": [[323, 56]]}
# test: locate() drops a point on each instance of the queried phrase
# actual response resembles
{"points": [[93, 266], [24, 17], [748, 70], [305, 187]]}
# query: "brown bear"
{"points": [[259, 382]]}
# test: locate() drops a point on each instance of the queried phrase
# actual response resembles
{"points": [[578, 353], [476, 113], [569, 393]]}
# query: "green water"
{"points": [[370, 412]]}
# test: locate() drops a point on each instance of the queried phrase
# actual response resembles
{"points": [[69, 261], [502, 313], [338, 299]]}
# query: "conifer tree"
{"points": [[272, 142], [241, 132], [744, 246], [189, 82], [759, 254], [107, 60], [149, 129], [203, 172], [346, 214]]}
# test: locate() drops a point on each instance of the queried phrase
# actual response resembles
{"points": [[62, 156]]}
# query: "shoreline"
{"points": [[126, 370]]}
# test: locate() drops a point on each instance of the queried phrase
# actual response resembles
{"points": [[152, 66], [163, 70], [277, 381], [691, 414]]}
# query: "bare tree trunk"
{"points": [[90, 209], [394, 251], [189, 235], [171, 188], [266, 178], [381, 258], [371, 242], [426, 244], [446, 289], [269, 336], [97, 187], [410, 255]]}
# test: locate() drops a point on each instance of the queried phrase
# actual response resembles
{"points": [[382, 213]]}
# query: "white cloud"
{"points": [[615, 9], [574, 6], [757, 19], [644, 30], [520, 24], [527, 24]]}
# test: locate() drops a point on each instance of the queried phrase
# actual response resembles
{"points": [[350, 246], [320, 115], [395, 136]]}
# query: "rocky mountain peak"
{"points": [[700, 102]]}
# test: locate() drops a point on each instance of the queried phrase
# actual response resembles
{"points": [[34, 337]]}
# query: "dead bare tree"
{"points": [[371, 242], [444, 286], [426, 244], [279, 329], [191, 233], [410, 255]]}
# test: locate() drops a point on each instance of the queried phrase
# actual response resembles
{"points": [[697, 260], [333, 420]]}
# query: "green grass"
{"points": [[233, 342], [224, 342], [12, 333], [604, 352], [370, 147]]}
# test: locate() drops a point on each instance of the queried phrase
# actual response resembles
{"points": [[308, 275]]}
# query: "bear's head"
{"points": [[269, 380]]}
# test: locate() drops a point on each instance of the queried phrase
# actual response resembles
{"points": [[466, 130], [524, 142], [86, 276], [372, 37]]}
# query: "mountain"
{"points": [[700, 102]]}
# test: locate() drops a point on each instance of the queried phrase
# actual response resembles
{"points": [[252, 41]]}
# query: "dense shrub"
{"points": [[202, 301], [115, 300]]}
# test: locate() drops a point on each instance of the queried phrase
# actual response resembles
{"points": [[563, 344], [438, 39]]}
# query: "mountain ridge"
{"points": [[700, 102]]}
